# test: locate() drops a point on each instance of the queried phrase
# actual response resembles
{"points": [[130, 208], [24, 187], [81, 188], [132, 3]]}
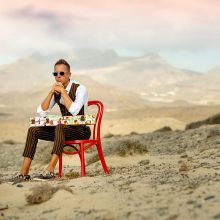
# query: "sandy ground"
{"points": [[158, 175]]}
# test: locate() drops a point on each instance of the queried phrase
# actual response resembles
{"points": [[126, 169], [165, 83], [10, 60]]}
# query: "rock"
{"points": [[184, 167], [209, 197], [191, 202], [183, 156], [144, 162]]}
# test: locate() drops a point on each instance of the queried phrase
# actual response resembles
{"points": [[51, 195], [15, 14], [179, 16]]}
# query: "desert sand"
{"points": [[167, 175]]}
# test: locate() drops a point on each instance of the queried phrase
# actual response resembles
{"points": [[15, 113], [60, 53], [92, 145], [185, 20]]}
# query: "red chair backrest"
{"points": [[97, 125]]}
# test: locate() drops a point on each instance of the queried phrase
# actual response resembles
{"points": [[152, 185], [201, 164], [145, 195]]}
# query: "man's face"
{"points": [[66, 77]]}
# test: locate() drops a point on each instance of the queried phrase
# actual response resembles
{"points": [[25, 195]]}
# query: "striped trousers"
{"points": [[58, 134]]}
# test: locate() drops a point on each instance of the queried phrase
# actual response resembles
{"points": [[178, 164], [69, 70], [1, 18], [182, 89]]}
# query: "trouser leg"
{"points": [[59, 139], [33, 134], [58, 134], [63, 132]]}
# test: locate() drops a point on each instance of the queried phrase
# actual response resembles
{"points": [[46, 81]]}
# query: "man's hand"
{"points": [[57, 88]]}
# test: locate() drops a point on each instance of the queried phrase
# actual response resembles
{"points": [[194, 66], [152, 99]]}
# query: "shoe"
{"points": [[45, 176], [19, 178]]}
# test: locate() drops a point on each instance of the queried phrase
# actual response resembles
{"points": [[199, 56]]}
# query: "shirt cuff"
{"points": [[41, 112]]}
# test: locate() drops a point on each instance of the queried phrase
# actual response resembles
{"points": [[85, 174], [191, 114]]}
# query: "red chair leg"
{"points": [[60, 165], [82, 158], [101, 156]]}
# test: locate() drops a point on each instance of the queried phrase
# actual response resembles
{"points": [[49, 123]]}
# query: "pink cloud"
{"points": [[139, 25]]}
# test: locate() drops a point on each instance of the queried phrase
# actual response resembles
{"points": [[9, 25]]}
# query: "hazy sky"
{"points": [[185, 32]]}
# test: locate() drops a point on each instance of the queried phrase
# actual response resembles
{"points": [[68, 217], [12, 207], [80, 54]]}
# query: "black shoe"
{"points": [[19, 178], [45, 176]]}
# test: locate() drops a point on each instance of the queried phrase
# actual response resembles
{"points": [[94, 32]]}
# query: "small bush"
{"points": [[123, 148], [72, 175], [129, 148], [215, 119], [109, 135], [194, 125], [163, 129], [10, 141], [133, 133]]}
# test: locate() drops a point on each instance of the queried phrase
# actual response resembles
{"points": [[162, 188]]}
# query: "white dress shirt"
{"points": [[81, 99]]}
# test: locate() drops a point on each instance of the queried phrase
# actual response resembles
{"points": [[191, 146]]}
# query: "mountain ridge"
{"points": [[149, 78]]}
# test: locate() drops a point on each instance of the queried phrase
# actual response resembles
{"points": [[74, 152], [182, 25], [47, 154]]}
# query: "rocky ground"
{"points": [[164, 175]]}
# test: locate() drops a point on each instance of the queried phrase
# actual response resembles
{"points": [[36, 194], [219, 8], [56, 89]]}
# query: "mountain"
{"points": [[24, 102], [80, 59], [141, 74], [149, 77], [126, 82], [23, 75]]}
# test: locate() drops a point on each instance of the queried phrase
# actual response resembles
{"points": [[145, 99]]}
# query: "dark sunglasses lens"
{"points": [[60, 73]]}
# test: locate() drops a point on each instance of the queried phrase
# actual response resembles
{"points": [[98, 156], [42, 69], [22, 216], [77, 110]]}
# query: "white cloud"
{"points": [[138, 26]]}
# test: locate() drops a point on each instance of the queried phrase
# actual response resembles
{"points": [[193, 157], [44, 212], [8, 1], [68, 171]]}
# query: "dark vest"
{"points": [[72, 94]]}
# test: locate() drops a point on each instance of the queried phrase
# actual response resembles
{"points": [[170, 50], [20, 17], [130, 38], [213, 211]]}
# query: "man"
{"points": [[72, 99]]}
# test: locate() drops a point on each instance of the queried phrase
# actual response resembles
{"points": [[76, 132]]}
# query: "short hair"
{"points": [[64, 62]]}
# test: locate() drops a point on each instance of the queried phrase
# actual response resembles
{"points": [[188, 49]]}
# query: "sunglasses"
{"points": [[58, 73]]}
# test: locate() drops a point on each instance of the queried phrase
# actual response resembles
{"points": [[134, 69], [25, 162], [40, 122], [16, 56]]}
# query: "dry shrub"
{"points": [[123, 147], [72, 175], [184, 167], [10, 141], [215, 119], [109, 135], [163, 129], [194, 125], [43, 193], [133, 133], [129, 148]]}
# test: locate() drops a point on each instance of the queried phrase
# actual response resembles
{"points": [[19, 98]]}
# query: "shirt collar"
{"points": [[69, 86]]}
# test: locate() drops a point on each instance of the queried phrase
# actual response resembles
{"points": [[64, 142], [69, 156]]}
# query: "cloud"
{"points": [[30, 13], [54, 21], [135, 25]]}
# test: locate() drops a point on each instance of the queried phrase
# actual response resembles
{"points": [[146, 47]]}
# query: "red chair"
{"points": [[85, 144]]}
